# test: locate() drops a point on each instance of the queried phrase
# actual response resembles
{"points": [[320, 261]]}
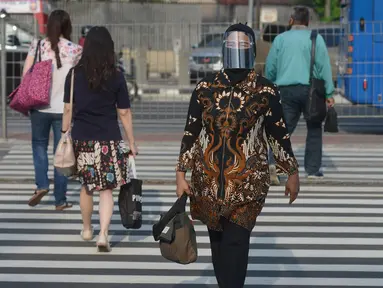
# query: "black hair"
{"points": [[301, 15], [58, 25], [98, 57]]}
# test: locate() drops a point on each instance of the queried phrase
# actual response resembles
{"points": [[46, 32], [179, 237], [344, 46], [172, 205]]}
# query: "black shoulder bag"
{"points": [[316, 108]]}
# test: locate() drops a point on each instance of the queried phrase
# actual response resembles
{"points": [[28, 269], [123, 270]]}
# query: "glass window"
{"points": [[211, 40], [331, 36]]}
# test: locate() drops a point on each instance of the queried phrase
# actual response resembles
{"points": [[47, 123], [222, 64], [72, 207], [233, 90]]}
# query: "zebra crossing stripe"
{"points": [[339, 163]]}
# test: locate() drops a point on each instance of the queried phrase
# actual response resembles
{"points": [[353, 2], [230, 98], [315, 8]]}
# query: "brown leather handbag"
{"points": [[65, 160]]}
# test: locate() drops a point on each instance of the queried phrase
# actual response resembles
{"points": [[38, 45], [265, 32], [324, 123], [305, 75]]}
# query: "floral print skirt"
{"points": [[102, 165]]}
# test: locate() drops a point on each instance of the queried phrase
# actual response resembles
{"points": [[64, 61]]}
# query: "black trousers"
{"points": [[230, 253]]}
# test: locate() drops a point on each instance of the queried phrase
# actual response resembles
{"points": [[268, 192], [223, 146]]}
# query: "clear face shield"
{"points": [[238, 50]]}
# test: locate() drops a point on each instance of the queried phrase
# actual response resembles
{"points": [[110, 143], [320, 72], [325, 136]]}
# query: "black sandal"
{"points": [[64, 206], [37, 196]]}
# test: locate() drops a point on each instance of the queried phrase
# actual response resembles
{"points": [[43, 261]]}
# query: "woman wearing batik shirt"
{"points": [[64, 54], [225, 148]]}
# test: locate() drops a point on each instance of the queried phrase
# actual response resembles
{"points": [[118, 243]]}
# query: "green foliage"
{"points": [[319, 7]]}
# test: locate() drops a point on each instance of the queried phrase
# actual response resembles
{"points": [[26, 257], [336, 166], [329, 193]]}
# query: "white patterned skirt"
{"points": [[102, 165]]}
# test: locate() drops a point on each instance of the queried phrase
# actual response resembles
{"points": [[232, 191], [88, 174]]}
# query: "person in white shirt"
{"points": [[58, 47]]}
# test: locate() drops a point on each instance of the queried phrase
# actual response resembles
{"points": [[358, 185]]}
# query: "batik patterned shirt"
{"points": [[225, 146]]}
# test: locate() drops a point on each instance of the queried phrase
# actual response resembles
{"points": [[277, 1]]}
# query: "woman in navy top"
{"points": [[100, 96]]}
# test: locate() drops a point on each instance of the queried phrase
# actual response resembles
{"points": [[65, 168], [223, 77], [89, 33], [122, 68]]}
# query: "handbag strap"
{"points": [[71, 98], [132, 164], [37, 54], [313, 38]]}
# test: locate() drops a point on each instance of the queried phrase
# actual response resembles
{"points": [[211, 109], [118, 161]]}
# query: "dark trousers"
{"points": [[293, 100], [230, 253]]}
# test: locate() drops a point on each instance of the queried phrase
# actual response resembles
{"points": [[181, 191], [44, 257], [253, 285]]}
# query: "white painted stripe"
{"points": [[176, 147], [187, 280], [200, 239], [171, 200], [171, 188], [175, 266], [169, 164], [280, 210], [261, 219], [170, 175], [175, 152], [162, 169], [300, 158], [288, 253], [201, 228], [171, 194]]}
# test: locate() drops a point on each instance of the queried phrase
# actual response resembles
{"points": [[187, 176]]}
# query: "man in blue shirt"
{"points": [[288, 66]]}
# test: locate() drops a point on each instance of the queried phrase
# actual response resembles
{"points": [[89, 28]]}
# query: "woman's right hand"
{"points": [[134, 150], [182, 185]]}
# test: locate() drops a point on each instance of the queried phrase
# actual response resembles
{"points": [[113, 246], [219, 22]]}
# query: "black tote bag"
{"points": [[331, 123], [130, 200], [316, 109]]}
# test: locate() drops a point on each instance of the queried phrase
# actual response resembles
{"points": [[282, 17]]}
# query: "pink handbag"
{"points": [[35, 87]]}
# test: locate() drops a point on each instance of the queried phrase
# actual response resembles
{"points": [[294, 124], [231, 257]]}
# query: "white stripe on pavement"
{"points": [[152, 280], [262, 218], [165, 170], [200, 239], [297, 253], [287, 209], [170, 200], [202, 228], [175, 266]]}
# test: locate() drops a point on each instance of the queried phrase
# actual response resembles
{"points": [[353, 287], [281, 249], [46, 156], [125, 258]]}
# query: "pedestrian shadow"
{"points": [[276, 261]]}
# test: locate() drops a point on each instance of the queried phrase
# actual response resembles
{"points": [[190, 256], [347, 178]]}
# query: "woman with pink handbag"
{"points": [[64, 54]]}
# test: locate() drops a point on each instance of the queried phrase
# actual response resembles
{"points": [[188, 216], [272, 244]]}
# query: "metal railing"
{"points": [[168, 58]]}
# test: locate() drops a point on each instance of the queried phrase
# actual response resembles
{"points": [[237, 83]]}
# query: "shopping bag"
{"points": [[35, 87], [176, 235], [130, 200]]}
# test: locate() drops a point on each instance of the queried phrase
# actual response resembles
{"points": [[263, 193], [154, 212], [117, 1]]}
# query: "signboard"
{"points": [[269, 15], [25, 6]]}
